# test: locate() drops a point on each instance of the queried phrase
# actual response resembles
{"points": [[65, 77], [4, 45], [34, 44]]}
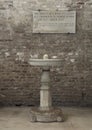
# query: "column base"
{"points": [[52, 115]]}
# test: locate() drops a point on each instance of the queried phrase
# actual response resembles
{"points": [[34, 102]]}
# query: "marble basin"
{"points": [[45, 62]]}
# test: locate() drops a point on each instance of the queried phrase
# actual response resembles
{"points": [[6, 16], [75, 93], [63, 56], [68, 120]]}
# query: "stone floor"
{"points": [[18, 118]]}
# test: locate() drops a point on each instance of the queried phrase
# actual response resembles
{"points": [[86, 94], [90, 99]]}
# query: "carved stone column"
{"points": [[45, 93]]}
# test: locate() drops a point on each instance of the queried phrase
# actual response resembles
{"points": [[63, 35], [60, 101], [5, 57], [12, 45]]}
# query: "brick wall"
{"points": [[20, 82]]}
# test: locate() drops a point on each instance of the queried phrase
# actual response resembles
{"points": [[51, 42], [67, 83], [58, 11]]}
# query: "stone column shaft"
{"points": [[45, 96]]}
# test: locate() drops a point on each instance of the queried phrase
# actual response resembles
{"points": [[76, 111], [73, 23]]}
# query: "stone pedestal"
{"points": [[46, 113], [52, 115]]}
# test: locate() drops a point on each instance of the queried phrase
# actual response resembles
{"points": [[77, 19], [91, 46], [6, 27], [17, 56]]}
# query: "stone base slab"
{"points": [[52, 115]]}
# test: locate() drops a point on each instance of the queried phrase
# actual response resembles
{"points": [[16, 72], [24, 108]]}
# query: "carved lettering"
{"points": [[54, 21]]}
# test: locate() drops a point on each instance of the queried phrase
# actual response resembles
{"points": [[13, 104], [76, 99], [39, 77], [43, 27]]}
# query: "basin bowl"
{"points": [[45, 62]]}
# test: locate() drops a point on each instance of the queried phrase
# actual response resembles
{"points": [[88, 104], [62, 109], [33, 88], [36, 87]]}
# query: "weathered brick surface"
{"points": [[20, 82]]}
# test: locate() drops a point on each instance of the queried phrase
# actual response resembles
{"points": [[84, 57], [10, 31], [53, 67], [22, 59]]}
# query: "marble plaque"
{"points": [[54, 21]]}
